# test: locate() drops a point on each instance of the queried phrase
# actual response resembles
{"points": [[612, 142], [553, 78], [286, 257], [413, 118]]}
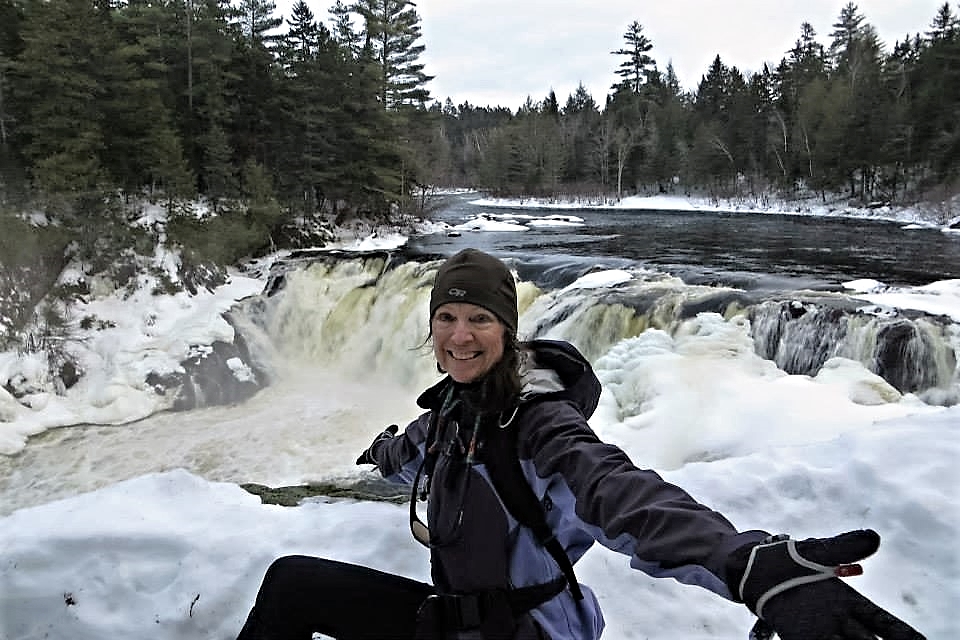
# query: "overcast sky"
{"points": [[497, 52]]}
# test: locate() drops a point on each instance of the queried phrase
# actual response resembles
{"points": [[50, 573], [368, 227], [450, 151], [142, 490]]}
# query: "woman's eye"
{"points": [[481, 319]]}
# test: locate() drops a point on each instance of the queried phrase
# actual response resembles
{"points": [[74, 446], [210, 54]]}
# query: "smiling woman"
{"points": [[473, 313], [467, 340], [518, 486]]}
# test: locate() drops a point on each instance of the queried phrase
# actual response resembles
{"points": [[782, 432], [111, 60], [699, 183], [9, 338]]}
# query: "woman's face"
{"points": [[467, 340]]}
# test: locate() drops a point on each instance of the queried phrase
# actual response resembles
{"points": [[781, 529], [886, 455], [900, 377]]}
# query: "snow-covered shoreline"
{"points": [[919, 215]]}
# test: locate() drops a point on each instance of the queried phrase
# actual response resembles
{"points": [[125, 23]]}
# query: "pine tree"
{"points": [[144, 147], [12, 180], [820, 135], [806, 61], [367, 164], [263, 212], [252, 88], [845, 36], [205, 83], [715, 159], [303, 40], [937, 90], [10, 47], [580, 119], [804, 64], [766, 131], [58, 91], [392, 29], [216, 164], [856, 54], [636, 68], [308, 57], [342, 29], [496, 170]]}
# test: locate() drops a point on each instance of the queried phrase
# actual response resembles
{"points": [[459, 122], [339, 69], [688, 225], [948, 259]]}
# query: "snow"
{"points": [[137, 333], [600, 279], [485, 222], [912, 217], [937, 298], [372, 242], [166, 551]]}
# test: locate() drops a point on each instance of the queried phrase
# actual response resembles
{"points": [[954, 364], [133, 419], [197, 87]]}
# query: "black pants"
{"points": [[301, 595]]}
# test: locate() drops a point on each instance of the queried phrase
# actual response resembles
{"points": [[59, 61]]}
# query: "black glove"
{"points": [[369, 454], [794, 587]]}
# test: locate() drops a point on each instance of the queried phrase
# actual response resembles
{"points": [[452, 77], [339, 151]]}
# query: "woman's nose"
{"points": [[462, 331]]}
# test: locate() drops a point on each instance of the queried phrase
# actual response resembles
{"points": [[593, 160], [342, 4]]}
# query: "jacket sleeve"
{"points": [[400, 457], [664, 530]]}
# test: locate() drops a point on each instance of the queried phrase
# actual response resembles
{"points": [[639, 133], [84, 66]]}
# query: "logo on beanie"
{"points": [[456, 293]]}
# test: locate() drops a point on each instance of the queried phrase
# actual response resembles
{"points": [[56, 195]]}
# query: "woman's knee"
{"points": [[285, 564], [301, 572]]}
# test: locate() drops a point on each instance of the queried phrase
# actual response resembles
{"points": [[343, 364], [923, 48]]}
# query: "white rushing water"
{"points": [[344, 345]]}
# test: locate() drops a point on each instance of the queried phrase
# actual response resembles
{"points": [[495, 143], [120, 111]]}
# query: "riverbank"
{"points": [[945, 215]]}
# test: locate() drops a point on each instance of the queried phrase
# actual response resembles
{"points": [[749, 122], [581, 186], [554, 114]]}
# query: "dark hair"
{"points": [[500, 387]]}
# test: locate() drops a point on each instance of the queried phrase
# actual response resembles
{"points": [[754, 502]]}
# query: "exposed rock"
{"points": [[364, 489], [217, 374]]}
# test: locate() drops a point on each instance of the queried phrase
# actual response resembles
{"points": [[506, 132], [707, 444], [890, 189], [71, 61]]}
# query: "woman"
{"points": [[506, 410]]}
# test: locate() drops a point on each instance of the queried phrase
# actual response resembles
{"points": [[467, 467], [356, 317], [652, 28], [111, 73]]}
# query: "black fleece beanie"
{"points": [[477, 278]]}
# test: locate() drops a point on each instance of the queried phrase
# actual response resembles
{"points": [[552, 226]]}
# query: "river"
{"points": [[750, 250]]}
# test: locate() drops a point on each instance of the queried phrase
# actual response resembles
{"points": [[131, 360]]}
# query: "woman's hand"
{"points": [[369, 454], [795, 589]]}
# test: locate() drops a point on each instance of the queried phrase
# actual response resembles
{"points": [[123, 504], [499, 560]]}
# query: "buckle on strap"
{"points": [[472, 610]]}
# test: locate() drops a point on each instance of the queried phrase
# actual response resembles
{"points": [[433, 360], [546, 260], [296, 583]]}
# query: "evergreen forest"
{"points": [[272, 120]]}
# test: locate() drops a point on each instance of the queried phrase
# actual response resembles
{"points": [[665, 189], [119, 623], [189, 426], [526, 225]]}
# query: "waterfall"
{"points": [[365, 316], [914, 354]]}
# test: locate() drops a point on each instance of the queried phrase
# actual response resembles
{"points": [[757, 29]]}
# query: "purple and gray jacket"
{"points": [[590, 490]]}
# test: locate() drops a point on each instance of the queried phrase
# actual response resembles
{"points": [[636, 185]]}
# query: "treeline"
{"points": [[848, 117], [207, 97], [103, 100]]}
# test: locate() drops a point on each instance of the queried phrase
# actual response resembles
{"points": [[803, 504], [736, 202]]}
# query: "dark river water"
{"points": [[747, 250]]}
